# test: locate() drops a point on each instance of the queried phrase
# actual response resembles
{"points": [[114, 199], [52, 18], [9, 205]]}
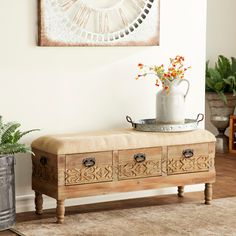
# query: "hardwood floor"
{"points": [[225, 186]]}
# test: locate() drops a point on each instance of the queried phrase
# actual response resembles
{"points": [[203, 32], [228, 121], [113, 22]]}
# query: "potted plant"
{"points": [[10, 136], [221, 96]]}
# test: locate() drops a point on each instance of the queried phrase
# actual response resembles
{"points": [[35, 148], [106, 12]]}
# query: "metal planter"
{"points": [[7, 192]]}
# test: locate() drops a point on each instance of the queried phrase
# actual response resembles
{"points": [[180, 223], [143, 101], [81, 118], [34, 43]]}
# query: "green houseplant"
{"points": [[221, 96], [221, 79], [10, 136]]}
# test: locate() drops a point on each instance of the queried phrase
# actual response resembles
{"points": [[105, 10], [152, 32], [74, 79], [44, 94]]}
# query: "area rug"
{"points": [[190, 219]]}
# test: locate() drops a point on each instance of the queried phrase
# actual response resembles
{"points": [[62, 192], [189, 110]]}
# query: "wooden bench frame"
{"points": [[49, 172]]}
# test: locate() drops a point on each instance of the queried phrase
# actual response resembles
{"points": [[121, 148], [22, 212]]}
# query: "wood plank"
{"points": [[130, 168], [200, 160], [78, 173], [76, 160], [136, 184], [45, 188]]}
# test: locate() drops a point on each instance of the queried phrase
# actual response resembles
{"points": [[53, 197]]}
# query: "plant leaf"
{"points": [[223, 66], [12, 148], [233, 65], [9, 137], [234, 92], [27, 132], [223, 97], [219, 86]]}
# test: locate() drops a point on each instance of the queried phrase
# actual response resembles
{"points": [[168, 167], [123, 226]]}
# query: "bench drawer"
{"points": [[89, 168], [139, 163], [188, 158]]}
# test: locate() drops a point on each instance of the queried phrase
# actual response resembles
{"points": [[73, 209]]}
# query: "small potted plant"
{"points": [[220, 94], [10, 136], [170, 100]]}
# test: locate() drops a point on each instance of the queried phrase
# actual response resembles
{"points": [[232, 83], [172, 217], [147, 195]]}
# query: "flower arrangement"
{"points": [[175, 70]]}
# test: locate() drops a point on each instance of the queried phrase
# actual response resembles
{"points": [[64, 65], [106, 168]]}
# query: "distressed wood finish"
{"points": [[38, 203], [45, 167], [136, 184], [44, 182], [208, 193], [180, 191], [129, 168], [118, 171], [60, 211], [78, 173], [200, 161]]}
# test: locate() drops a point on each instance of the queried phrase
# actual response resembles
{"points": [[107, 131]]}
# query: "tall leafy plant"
{"points": [[221, 79], [10, 136]]}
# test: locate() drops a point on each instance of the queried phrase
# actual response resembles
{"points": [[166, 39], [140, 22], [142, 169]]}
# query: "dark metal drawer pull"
{"points": [[188, 153], [43, 160], [89, 162], [140, 157]]}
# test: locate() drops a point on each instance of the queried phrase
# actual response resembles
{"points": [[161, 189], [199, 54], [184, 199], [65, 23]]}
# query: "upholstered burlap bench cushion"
{"points": [[116, 140]]}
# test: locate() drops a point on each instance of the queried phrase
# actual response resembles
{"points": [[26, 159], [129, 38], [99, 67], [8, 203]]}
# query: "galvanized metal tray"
{"points": [[151, 125]]}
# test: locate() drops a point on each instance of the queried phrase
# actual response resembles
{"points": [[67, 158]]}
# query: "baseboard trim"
{"points": [[25, 203]]}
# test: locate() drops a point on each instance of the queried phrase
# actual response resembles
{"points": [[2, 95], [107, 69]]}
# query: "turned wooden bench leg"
{"points": [[60, 211], [38, 203], [180, 191], [208, 193]]}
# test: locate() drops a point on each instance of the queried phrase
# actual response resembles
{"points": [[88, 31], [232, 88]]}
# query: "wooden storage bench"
{"points": [[79, 165]]}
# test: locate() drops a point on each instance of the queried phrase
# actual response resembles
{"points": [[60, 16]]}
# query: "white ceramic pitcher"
{"points": [[170, 108]]}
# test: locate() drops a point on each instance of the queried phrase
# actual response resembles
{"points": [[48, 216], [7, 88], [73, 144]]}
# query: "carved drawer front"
{"points": [[188, 159], [88, 168], [139, 163]]}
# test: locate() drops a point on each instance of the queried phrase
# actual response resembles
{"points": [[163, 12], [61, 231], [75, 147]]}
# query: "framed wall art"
{"points": [[99, 22]]}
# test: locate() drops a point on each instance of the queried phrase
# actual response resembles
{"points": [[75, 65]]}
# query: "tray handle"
{"points": [[129, 119], [200, 117]]}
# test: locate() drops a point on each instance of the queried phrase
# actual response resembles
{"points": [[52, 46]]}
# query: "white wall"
{"points": [[221, 36], [82, 89]]}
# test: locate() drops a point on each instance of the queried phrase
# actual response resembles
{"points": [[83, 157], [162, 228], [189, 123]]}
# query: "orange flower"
{"points": [[173, 74], [176, 70], [140, 66]]}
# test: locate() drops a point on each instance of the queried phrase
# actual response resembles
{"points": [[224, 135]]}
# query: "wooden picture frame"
{"points": [[232, 134], [98, 23]]}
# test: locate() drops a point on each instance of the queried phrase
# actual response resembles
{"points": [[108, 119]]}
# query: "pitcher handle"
{"points": [[184, 80]]}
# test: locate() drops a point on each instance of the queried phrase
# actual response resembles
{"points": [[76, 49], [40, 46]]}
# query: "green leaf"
{"points": [[221, 78], [27, 132], [219, 86], [214, 74], [234, 92], [223, 66], [233, 64], [7, 135], [229, 80], [16, 136], [12, 148], [223, 97]]}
